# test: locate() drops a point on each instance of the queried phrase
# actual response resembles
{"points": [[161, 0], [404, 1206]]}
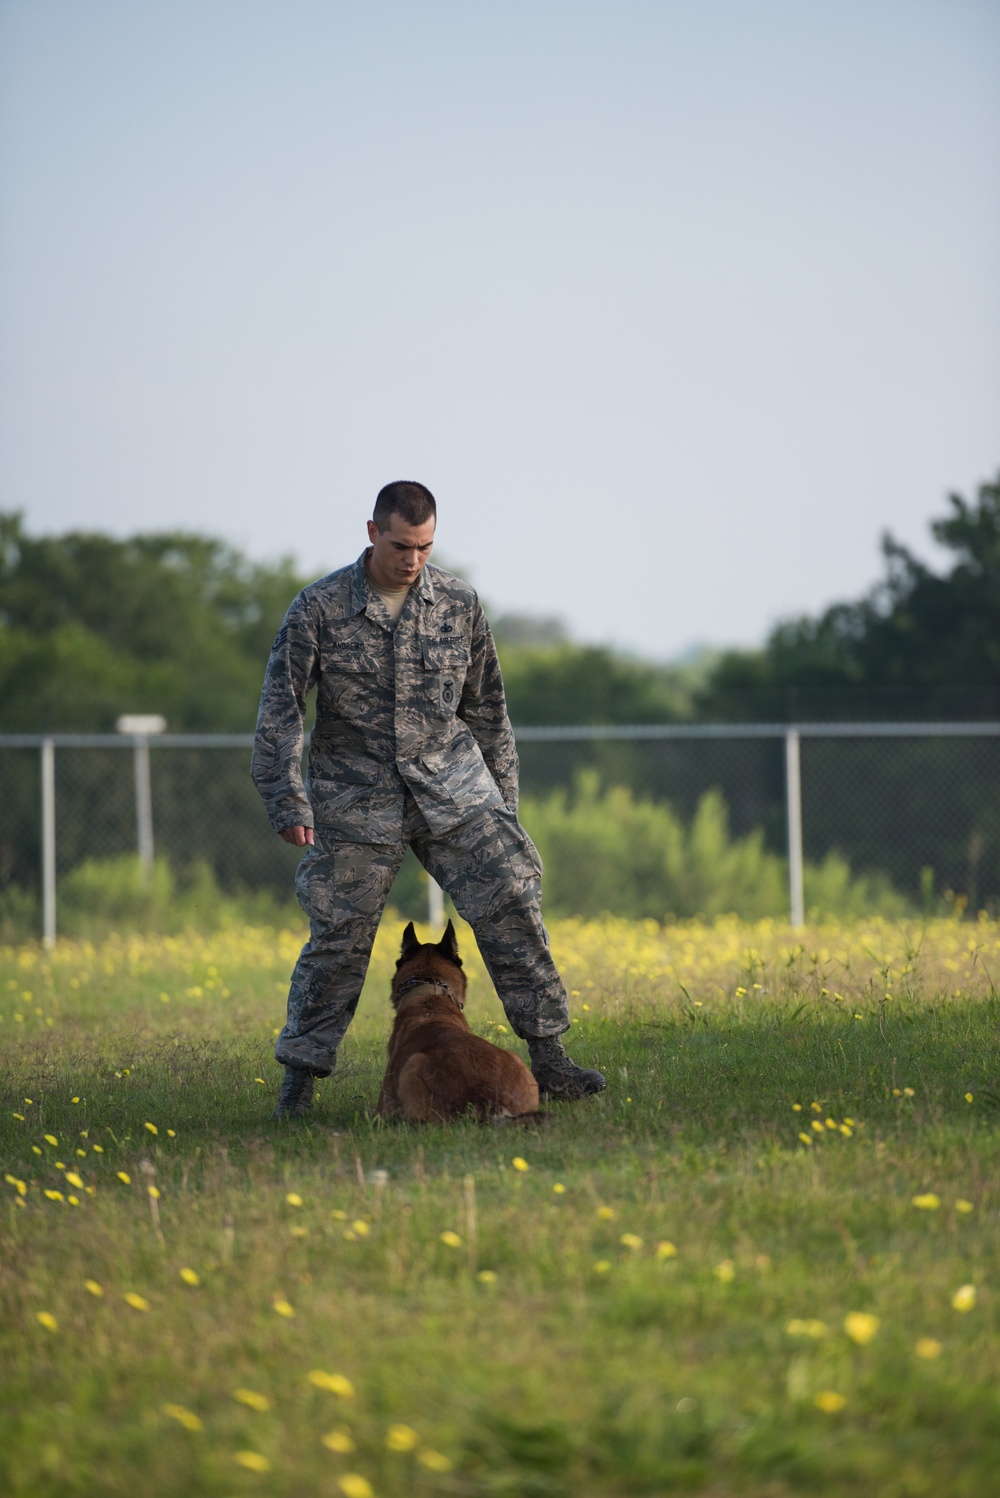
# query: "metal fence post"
{"points": [[48, 767], [139, 726], [435, 903], [793, 803], [143, 803]]}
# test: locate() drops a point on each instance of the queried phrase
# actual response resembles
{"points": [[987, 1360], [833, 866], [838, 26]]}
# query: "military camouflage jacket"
{"points": [[420, 705]]}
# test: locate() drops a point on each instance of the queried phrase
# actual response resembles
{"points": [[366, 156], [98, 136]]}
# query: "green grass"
{"points": [[587, 1365]]}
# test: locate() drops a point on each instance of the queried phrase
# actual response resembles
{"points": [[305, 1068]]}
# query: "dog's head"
{"points": [[433, 961]]}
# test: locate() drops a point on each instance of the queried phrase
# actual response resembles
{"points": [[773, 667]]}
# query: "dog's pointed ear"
{"points": [[448, 945], [411, 944]]}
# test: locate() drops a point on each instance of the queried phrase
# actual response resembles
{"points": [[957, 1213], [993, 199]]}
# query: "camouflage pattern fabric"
{"points": [[492, 871], [419, 708]]}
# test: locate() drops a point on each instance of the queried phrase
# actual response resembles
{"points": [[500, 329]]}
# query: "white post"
{"points": [[435, 903], [48, 841], [793, 801], [143, 803], [139, 726]]}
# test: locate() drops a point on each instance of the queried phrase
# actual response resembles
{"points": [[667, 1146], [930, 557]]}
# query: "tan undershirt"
{"points": [[393, 598]]}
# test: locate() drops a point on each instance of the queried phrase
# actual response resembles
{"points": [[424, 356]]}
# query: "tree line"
{"points": [[180, 624]]}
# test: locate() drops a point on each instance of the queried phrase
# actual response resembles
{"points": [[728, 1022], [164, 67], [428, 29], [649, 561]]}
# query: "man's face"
{"points": [[399, 552]]}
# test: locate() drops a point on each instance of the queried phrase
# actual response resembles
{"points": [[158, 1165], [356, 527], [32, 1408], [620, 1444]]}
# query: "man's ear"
{"points": [[411, 945], [448, 945]]}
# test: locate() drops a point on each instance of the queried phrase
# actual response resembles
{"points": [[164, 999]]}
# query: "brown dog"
{"points": [[439, 1070]]}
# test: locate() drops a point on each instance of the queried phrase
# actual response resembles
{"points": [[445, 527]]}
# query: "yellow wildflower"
{"points": [[46, 1319], [928, 1201], [189, 1276], [725, 1271], [339, 1439], [963, 1206], [519, 1163], [334, 1383], [559, 1188], [606, 1214], [137, 1302], [151, 1127], [293, 1199], [630, 1240], [807, 1328], [602, 1266], [252, 1399], [829, 1402], [124, 1177], [665, 1249], [452, 1240], [401, 1438], [185, 1417], [928, 1347], [861, 1326], [283, 1307], [93, 1287], [434, 1461], [353, 1485], [254, 1461], [964, 1298], [487, 1276], [54, 1196], [361, 1227]]}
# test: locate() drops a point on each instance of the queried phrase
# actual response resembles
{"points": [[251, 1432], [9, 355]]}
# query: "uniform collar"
{"points": [[360, 594]]}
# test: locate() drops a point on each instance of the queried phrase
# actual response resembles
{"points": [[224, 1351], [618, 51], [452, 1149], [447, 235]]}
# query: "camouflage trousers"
{"points": [[491, 870]]}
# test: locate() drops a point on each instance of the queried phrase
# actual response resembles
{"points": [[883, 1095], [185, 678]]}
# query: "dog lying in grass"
{"points": [[438, 1070]]}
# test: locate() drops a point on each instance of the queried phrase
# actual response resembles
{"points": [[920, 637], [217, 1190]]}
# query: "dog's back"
{"points": [[437, 1069]]}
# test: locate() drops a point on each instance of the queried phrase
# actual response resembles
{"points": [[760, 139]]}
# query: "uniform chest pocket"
{"points": [[445, 665], [352, 657]]}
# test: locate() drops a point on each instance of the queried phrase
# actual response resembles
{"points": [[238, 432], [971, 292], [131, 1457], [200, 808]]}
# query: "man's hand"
{"points": [[299, 837]]}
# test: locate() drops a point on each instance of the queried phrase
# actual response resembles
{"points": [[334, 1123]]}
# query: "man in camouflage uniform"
{"points": [[412, 746]]}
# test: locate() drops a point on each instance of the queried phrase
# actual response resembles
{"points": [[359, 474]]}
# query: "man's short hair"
{"points": [[413, 501]]}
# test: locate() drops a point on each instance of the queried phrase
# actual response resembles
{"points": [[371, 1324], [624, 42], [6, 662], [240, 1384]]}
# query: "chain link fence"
{"points": [[917, 805]]}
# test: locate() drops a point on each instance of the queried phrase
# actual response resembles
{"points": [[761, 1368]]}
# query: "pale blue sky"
{"points": [[675, 305]]}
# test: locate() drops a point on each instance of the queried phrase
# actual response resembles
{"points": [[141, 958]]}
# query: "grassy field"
{"points": [[762, 1262]]}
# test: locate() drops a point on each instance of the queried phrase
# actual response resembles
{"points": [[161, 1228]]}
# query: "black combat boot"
{"points": [[557, 1076], [296, 1095]]}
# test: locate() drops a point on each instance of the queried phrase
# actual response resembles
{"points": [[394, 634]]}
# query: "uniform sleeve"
{"points": [[276, 766], [484, 708]]}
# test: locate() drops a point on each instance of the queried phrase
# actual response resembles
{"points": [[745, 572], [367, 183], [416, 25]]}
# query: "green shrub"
{"points": [[609, 852], [119, 894]]}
